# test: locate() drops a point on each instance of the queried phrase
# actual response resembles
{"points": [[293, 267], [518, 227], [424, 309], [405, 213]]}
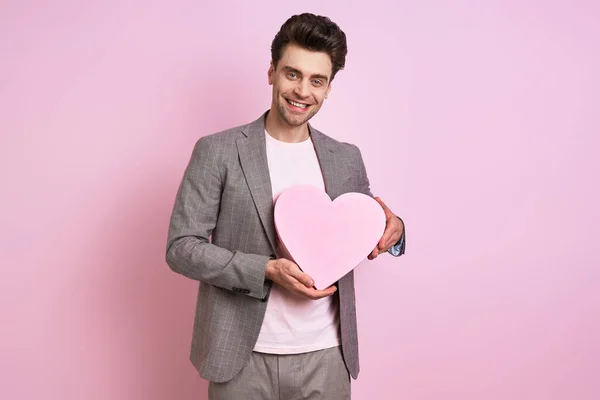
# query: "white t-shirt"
{"points": [[294, 324]]}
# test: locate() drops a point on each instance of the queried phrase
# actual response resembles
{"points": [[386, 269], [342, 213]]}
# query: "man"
{"points": [[261, 330]]}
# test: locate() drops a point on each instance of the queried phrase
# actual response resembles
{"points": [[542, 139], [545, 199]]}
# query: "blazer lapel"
{"points": [[326, 156], [253, 158]]}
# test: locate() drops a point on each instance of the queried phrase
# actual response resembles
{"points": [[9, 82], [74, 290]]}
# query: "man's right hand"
{"points": [[288, 275]]}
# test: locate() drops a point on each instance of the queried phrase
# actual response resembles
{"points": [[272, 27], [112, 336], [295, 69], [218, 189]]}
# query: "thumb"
{"points": [[307, 280], [304, 278], [296, 272]]}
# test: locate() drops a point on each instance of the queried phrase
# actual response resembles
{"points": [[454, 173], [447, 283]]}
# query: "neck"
{"points": [[278, 128]]}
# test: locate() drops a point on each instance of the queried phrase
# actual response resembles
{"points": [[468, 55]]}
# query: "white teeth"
{"points": [[300, 105]]}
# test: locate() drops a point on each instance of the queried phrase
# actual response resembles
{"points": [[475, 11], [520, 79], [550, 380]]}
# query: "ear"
{"points": [[270, 73]]}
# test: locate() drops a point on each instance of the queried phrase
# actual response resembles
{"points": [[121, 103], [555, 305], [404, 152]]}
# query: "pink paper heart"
{"points": [[327, 239]]}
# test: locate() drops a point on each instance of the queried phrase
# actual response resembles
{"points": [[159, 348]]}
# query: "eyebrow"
{"points": [[292, 69]]}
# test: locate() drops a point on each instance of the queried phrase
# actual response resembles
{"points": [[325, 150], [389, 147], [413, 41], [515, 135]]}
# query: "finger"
{"points": [[382, 204], [374, 253], [393, 240], [392, 233], [302, 277], [316, 294], [296, 274], [326, 292], [387, 245], [385, 238]]}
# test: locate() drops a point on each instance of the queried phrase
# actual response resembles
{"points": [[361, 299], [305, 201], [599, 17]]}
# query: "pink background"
{"points": [[478, 124]]}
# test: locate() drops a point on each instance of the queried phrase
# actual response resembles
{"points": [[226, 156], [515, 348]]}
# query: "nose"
{"points": [[302, 90]]}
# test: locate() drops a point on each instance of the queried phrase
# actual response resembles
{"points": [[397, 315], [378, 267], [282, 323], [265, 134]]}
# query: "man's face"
{"points": [[301, 82]]}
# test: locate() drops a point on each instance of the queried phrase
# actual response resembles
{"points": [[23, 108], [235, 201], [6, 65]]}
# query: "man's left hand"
{"points": [[393, 231]]}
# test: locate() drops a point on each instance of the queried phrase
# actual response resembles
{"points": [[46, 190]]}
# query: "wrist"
{"points": [[270, 269]]}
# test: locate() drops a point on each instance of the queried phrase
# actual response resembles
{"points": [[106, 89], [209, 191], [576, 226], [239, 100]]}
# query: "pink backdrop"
{"points": [[478, 124]]}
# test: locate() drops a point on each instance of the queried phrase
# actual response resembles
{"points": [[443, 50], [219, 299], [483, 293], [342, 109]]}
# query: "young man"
{"points": [[262, 331]]}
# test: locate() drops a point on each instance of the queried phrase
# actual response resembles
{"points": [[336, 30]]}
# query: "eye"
{"points": [[317, 82], [292, 75]]}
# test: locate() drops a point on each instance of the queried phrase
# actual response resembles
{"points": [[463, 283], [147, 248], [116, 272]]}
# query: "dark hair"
{"points": [[315, 33]]}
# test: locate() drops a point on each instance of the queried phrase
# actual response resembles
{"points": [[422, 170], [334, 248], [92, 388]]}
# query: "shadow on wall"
{"points": [[146, 310], [151, 307]]}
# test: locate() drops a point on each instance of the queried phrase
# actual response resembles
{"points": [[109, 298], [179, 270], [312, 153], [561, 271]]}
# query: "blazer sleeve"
{"points": [[363, 179], [364, 187], [194, 216]]}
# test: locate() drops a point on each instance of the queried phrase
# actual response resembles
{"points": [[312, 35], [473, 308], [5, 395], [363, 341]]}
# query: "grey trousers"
{"points": [[316, 375]]}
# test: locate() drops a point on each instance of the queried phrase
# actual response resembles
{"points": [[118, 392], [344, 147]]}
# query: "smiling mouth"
{"points": [[296, 104]]}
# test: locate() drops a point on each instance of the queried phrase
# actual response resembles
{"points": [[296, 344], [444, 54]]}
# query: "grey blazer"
{"points": [[226, 194]]}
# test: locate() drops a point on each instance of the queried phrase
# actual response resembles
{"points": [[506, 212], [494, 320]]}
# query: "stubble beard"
{"points": [[294, 119]]}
